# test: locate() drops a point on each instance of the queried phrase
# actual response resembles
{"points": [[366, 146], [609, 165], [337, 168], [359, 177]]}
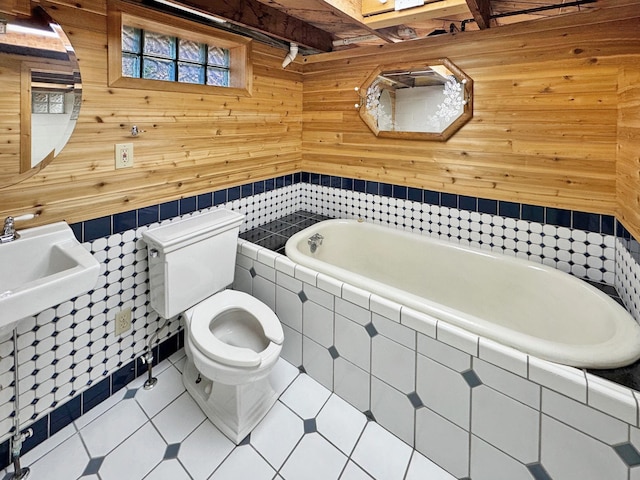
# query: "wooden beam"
{"points": [[481, 11], [430, 11], [257, 16]]}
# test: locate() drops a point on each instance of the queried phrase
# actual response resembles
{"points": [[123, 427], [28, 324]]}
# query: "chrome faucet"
{"points": [[315, 241], [9, 233]]}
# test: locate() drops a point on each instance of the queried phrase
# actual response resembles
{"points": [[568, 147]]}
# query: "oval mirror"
{"points": [[428, 101], [41, 95]]}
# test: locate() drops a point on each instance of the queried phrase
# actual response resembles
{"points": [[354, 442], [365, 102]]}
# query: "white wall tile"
{"points": [[612, 398], [505, 382], [418, 321], [504, 357], [444, 391], [317, 362], [393, 410], [393, 363], [505, 423], [317, 323], [443, 353], [489, 463], [352, 384], [584, 418], [566, 380], [458, 338], [353, 342], [289, 308], [570, 455], [442, 442], [394, 331]]}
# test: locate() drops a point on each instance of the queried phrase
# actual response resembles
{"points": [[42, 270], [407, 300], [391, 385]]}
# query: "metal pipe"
{"points": [[148, 358], [19, 473]]}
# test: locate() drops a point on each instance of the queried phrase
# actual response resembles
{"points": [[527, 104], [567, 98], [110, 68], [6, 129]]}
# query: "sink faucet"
{"points": [[9, 233]]}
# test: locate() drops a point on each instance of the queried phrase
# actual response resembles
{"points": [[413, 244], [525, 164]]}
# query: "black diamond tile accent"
{"points": [[538, 472], [301, 369], [415, 400], [471, 378], [371, 330], [171, 451], [130, 394], [252, 271], [93, 466], [302, 296], [333, 351], [310, 425], [628, 454], [369, 415], [246, 440]]}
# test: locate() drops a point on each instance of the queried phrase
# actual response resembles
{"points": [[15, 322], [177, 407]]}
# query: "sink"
{"points": [[43, 268]]}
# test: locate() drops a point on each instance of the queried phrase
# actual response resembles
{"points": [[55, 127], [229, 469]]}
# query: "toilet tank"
{"points": [[191, 259]]}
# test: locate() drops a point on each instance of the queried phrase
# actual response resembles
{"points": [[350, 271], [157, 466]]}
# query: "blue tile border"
{"points": [[99, 391], [119, 222]]}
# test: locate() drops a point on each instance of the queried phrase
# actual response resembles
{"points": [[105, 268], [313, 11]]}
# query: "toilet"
{"points": [[232, 340]]}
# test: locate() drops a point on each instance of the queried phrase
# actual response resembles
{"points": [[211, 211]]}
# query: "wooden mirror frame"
{"points": [[372, 122]]}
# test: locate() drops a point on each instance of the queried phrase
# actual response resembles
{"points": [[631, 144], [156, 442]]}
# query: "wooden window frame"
{"points": [[240, 65]]}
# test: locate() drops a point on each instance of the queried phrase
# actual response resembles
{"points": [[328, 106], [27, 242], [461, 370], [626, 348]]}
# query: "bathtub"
{"points": [[528, 306]]}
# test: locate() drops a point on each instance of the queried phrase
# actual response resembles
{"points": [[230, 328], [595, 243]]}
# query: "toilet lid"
{"points": [[202, 314]]}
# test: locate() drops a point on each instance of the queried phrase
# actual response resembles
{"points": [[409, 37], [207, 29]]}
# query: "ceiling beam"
{"points": [[257, 16], [430, 11], [481, 11]]}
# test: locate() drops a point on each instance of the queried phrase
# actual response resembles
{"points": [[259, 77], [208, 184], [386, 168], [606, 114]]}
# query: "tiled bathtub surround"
{"points": [[66, 351], [478, 409]]}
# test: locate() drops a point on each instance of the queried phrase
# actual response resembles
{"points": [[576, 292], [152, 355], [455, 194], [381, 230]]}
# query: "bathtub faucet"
{"points": [[315, 241]]}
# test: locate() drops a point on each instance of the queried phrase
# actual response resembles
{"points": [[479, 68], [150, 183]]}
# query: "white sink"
{"points": [[43, 268]]}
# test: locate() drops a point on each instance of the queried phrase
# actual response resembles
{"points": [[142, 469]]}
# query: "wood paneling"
{"points": [[192, 143], [545, 114]]}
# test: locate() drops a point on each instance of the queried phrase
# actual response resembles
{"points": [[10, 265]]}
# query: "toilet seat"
{"points": [[201, 315]]}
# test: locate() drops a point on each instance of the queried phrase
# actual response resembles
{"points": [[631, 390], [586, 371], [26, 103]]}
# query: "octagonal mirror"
{"points": [[426, 101]]}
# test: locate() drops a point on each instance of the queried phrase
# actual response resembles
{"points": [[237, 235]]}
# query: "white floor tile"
{"points": [[244, 462], [354, 472], [341, 423], [305, 396], [314, 459], [113, 427], [421, 468], [168, 470], [382, 455], [204, 450], [99, 409], [75, 460], [135, 457], [168, 388], [179, 419], [280, 423], [48, 445]]}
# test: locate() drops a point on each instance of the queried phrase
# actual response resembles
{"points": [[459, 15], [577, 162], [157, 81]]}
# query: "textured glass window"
{"points": [[156, 56], [47, 102]]}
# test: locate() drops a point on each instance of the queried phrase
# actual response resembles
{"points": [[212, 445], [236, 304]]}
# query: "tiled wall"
{"points": [[70, 359]]}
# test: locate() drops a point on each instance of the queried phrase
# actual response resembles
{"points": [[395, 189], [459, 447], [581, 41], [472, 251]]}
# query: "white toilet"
{"points": [[232, 340]]}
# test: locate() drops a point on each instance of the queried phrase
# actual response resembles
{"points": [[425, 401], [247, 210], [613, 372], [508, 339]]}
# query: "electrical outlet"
{"points": [[123, 321], [124, 155]]}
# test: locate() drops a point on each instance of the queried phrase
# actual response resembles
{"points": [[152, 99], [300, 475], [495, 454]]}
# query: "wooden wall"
{"points": [[544, 129], [193, 143], [557, 123]]}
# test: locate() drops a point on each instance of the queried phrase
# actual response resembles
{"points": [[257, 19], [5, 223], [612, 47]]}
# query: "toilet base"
{"points": [[234, 409]]}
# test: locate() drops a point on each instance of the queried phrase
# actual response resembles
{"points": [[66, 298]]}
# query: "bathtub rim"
{"points": [[592, 356]]}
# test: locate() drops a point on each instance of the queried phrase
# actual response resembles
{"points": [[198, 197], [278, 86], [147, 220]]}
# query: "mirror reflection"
{"points": [[41, 95], [429, 101]]}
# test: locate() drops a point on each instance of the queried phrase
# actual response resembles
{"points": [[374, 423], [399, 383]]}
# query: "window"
{"points": [[156, 56], [47, 102], [150, 50]]}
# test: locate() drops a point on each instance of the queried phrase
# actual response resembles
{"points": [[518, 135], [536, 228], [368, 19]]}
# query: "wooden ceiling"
{"points": [[329, 25]]}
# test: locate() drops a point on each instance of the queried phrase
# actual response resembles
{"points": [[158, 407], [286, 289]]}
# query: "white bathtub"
{"points": [[531, 307]]}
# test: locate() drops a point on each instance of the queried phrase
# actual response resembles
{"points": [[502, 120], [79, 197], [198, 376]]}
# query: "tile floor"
{"points": [[161, 434]]}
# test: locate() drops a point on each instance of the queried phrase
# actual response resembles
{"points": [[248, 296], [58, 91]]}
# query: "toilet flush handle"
{"points": [[153, 253]]}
